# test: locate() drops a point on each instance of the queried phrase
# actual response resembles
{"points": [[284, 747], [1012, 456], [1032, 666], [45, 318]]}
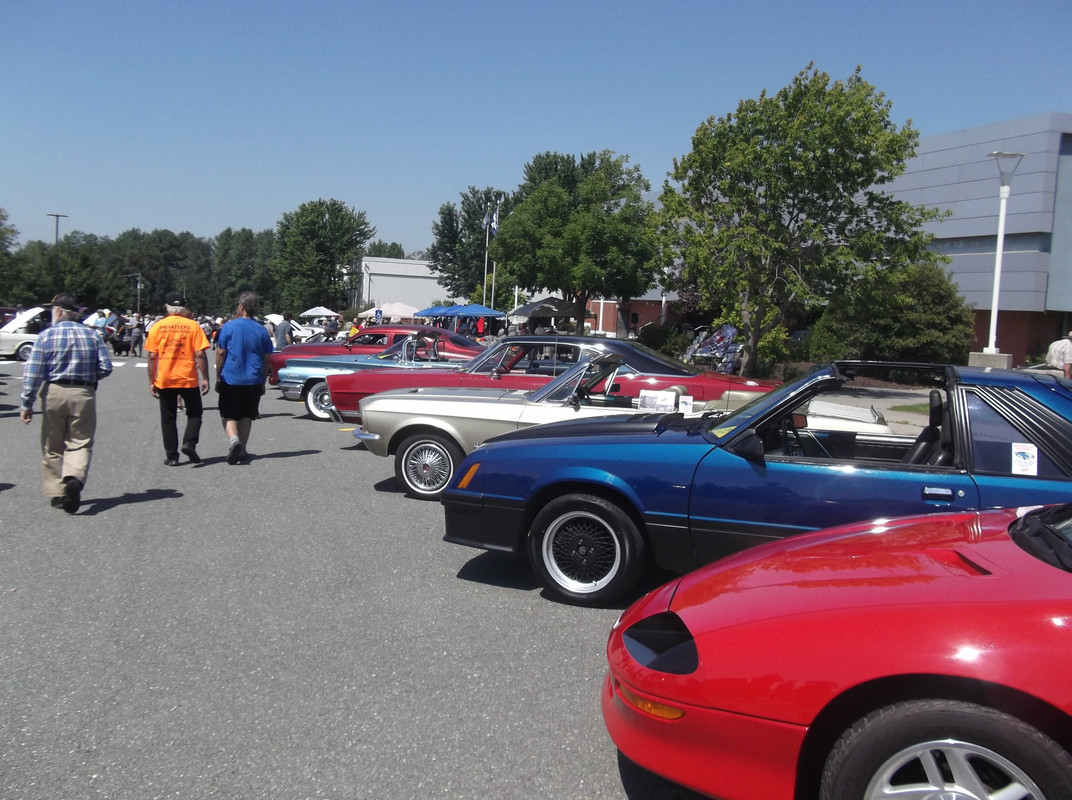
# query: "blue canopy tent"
{"points": [[474, 310], [432, 311]]}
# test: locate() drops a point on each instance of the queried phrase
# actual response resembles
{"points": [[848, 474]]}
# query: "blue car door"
{"points": [[737, 502]]}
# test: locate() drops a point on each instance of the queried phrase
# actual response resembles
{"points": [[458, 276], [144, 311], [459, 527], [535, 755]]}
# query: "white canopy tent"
{"points": [[391, 311], [319, 311]]}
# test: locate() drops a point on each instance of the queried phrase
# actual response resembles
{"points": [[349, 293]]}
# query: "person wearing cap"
{"points": [[243, 345], [178, 371], [1059, 355], [67, 361]]}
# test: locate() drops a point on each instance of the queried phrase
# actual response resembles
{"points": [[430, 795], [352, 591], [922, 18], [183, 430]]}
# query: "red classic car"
{"points": [[921, 657], [528, 362], [373, 339]]}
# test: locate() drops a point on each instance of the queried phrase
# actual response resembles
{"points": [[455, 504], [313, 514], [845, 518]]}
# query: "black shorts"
{"points": [[240, 402]]}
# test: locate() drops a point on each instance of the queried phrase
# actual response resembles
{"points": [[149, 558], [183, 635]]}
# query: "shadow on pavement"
{"points": [[95, 505]]}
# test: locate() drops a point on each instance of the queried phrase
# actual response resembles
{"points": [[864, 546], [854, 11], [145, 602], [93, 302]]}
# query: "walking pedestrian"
{"points": [[284, 332], [241, 369], [67, 361], [178, 376]]}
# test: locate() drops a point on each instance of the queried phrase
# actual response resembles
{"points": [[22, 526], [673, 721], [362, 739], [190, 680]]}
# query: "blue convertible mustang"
{"points": [[593, 501]]}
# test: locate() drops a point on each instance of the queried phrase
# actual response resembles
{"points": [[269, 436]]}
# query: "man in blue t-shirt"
{"points": [[241, 369]]}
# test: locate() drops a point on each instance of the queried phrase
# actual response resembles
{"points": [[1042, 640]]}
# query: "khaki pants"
{"points": [[68, 423]]}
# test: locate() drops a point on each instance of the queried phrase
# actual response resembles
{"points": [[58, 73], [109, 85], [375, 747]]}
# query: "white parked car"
{"points": [[18, 335], [428, 430]]}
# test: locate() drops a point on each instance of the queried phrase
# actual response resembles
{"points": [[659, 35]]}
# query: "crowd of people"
{"points": [[70, 358]]}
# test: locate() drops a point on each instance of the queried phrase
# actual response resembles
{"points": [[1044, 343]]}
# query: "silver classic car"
{"points": [[428, 430]]}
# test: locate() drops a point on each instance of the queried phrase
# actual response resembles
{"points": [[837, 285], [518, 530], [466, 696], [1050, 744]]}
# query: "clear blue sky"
{"points": [[199, 116]]}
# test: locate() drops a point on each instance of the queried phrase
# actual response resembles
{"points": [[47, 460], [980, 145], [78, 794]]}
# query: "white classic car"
{"points": [[428, 430], [18, 335]]}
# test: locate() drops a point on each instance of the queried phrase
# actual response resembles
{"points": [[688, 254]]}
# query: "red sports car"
{"points": [[371, 340], [528, 362], [923, 657]]}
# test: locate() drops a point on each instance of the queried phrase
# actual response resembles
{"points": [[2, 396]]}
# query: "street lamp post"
{"points": [[56, 240], [1007, 164]]}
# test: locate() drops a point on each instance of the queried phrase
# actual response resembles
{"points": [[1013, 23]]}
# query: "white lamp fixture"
{"points": [[1007, 164]]}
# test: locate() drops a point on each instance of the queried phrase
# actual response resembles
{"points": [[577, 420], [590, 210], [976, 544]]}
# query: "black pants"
{"points": [[169, 401]]}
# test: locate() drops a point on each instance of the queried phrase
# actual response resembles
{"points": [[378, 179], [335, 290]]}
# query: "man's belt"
{"points": [[92, 384]]}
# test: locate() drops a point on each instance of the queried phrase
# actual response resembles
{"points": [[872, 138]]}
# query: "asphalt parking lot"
{"points": [[290, 628]]}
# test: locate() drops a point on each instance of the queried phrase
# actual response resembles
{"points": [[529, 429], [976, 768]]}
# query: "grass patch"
{"points": [[913, 408]]}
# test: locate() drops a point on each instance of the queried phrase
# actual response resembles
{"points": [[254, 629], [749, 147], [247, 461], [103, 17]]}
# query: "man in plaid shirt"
{"points": [[67, 361]]}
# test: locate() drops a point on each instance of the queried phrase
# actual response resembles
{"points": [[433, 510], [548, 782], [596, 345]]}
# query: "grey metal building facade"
{"points": [[954, 171]]}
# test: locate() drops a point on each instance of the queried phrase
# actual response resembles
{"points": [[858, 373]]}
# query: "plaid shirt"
{"points": [[67, 351]]}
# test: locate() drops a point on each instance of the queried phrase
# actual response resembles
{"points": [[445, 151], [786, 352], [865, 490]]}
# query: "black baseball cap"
{"points": [[175, 299], [66, 301]]}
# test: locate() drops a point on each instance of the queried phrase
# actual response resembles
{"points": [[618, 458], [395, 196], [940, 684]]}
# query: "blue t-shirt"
{"points": [[246, 343]]}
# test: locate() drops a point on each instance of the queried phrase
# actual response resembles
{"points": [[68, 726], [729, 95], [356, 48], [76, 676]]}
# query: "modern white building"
{"points": [[956, 171], [400, 280]]}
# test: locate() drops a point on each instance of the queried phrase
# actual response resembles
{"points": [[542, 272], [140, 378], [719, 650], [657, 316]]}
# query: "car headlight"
{"points": [[662, 643]]}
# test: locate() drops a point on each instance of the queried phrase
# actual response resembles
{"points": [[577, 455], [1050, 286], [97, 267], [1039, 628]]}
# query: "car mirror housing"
{"points": [[750, 447]]}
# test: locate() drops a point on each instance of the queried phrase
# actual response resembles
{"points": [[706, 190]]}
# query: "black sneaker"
{"points": [[171, 462], [191, 454], [56, 502], [72, 494]]}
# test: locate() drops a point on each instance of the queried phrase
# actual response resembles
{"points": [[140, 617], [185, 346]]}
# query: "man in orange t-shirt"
{"points": [[176, 347]]}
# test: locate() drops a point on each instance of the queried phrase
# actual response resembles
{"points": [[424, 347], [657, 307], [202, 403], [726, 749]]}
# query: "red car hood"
{"points": [[783, 628]]}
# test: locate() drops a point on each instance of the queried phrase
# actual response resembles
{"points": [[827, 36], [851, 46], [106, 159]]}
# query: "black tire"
{"points": [[924, 743], [22, 352], [585, 549], [318, 400], [425, 463]]}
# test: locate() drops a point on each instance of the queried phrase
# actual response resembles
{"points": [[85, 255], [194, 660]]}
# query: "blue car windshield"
{"points": [[743, 417]]}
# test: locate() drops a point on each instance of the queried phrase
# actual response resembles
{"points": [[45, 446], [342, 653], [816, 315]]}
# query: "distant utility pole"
{"points": [[57, 216]]}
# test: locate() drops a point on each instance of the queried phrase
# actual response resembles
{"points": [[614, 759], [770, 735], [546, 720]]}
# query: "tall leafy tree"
{"points": [[779, 205], [317, 246], [899, 313], [381, 249], [582, 227], [460, 236], [240, 262]]}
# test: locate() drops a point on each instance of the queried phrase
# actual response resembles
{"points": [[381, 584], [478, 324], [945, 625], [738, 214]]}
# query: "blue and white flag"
{"points": [[495, 220], [487, 219]]}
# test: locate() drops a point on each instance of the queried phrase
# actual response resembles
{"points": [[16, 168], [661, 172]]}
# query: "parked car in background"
{"points": [[429, 429], [592, 502], [374, 339], [18, 334], [528, 362], [923, 657], [304, 378]]}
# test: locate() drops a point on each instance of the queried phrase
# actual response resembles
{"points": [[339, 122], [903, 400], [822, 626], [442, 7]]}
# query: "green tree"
{"points": [[900, 313], [10, 287], [779, 205], [317, 246], [239, 263], [581, 226], [460, 236], [381, 249]]}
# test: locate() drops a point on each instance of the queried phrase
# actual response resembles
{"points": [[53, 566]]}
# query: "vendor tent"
{"points": [[547, 307], [319, 311], [390, 311], [474, 310]]}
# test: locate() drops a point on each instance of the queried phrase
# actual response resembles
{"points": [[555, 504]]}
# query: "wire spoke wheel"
{"points": [[425, 464]]}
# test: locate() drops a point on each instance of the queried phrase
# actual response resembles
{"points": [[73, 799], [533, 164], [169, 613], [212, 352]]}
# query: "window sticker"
{"points": [[1024, 459]]}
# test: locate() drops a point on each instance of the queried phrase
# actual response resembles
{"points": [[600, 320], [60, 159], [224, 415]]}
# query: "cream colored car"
{"points": [[429, 430]]}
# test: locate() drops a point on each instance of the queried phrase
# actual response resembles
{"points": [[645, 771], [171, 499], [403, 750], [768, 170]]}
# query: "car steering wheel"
{"points": [[791, 440]]}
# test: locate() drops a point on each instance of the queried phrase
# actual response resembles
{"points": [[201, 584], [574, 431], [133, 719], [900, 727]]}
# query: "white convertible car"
{"points": [[17, 337], [429, 430]]}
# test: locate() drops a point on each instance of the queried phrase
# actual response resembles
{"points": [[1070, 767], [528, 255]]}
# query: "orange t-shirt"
{"points": [[175, 339]]}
